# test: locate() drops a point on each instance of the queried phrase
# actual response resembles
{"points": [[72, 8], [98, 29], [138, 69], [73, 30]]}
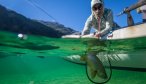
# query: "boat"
{"points": [[126, 48]]}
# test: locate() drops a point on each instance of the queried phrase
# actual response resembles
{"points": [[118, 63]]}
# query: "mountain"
{"points": [[14, 22], [58, 27]]}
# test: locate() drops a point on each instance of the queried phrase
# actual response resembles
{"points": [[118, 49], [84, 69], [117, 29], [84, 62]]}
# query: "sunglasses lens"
{"points": [[97, 7]]}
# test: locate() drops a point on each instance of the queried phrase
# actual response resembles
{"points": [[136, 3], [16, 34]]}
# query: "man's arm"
{"points": [[87, 26], [134, 6], [109, 24]]}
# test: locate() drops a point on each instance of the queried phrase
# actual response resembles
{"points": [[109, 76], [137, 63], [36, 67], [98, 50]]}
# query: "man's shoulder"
{"points": [[106, 10], [91, 17]]}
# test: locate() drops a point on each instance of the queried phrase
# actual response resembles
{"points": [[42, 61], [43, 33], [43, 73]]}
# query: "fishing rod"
{"points": [[35, 4], [133, 7]]}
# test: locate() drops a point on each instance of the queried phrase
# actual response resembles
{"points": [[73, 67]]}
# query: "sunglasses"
{"points": [[97, 7]]}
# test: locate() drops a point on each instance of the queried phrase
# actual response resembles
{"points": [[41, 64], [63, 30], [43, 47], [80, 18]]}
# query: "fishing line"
{"points": [[35, 4]]}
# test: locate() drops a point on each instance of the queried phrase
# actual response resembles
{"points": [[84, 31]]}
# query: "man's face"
{"points": [[97, 9]]}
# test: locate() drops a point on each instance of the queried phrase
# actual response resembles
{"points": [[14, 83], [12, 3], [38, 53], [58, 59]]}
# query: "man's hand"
{"points": [[97, 35], [92, 35]]}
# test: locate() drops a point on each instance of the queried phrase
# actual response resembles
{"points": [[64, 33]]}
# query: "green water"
{"points": [[37, 60]]}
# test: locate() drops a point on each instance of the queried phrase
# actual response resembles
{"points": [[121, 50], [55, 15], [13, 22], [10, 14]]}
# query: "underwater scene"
{"points": [[39, 60]]}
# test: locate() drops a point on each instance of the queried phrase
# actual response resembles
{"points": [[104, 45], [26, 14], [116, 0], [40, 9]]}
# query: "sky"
{"points": [[70, 13]]}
